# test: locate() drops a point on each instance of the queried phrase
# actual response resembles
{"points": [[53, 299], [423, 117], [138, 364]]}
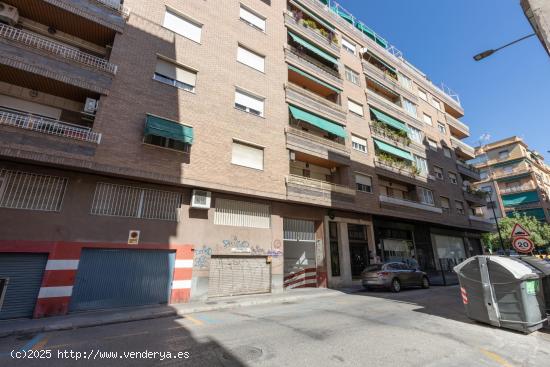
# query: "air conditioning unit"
{"points": [[201, 199], [8, 14], [90, 106]]}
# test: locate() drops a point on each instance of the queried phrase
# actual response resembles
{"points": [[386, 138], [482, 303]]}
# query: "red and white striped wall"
{"points": [[183, 275], [301, 279]]}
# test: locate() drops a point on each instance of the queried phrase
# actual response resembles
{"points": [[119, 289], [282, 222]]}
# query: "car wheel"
{"points": [[395, 285], [425, 283]]}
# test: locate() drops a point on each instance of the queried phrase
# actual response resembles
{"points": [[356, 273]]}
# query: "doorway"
{"points": [[358, 249]]}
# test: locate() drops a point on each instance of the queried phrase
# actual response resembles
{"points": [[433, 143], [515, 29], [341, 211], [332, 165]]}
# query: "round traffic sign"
{"points": [[523, 244]]}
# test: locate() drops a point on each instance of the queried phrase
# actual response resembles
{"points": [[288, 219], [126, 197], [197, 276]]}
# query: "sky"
{"points": [[506, 94]]}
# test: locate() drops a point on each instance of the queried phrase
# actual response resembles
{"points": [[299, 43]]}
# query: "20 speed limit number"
{"points": [[522, 244]]}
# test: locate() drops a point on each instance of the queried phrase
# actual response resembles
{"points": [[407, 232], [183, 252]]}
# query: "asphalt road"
{"points": [[413, 328]]}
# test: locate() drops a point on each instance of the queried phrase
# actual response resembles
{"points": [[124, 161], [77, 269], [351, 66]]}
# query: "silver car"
{"points": [[393, 276]]}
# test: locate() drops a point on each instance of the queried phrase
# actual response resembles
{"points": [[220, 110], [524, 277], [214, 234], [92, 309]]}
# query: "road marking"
{"points": [[194, 320], [126, 335], [32, 342], [41, 344], [495, 357], [207, 319]]}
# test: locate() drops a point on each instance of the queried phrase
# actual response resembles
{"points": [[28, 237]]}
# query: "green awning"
{"points": [[343, 14], [520, 198], [366, 30], [157, 126], [382, 42], [382, 117], [311, 77], [313, 48], [380, 60], [320, 122], [393, 150], [537, 213], [315, 17]]}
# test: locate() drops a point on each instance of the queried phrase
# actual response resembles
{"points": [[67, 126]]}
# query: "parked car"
{"points": [[394, 276]]}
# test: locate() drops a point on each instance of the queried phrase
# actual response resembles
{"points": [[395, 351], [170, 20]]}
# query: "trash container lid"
{"points": [[515, 266], [539, 264]]}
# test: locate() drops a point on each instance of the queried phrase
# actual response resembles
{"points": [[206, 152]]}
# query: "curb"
{"points": [[171, 311]]}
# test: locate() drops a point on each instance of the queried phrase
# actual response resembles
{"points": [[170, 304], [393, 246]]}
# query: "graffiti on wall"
{"points": [[276, 249], [202, 257]]}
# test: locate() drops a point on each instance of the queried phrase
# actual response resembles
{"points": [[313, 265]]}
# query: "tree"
{"points": [[540, 232]]}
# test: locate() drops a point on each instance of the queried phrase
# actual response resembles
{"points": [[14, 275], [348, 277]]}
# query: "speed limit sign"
{"points": [[523, 244]]}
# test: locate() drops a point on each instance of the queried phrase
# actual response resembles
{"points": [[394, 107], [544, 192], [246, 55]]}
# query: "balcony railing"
{"points": [[320, 185], [514, 172], [475, 196], [297, 56], [319, 104], [468, 170], [400, 169], [479, 218], [459, 125], [48, 126], [409, 203], [514, 189], [387, 134], [312, 33], [318, 139], [465, 148], [116, 6], [56, 48]]}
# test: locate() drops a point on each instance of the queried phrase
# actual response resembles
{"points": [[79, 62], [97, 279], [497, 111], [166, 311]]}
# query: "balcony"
{"points": [[399, 170], [521, 171], [116, 6], [464, 150], [310, 33], [409, 203], [48, 126], [315, 103], [516, 189], [294, 56], [43, 44], [458, 128], [317, 191], [480, 219], [468, 170], [318, 146], [392, 137], [475, 197]]}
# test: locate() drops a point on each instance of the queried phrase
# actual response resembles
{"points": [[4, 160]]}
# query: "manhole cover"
{"points": [[244, 353]]}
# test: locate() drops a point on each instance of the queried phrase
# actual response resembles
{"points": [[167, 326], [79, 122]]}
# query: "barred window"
{"points": [[242, 214], [135, 202], [31, 191]]}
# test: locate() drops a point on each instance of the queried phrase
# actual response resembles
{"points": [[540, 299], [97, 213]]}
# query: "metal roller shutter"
{"points": [[238, 275], [110, 278], [25, 272]]}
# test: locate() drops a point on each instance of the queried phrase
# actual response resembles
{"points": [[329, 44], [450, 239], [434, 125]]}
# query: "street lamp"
{"points": [[487, 53]]}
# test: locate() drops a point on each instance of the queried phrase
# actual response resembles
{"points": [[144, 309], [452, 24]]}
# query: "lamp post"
{"points": [[487, 53], [492, 204]]}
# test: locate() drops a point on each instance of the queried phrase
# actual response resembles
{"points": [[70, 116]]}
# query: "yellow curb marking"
{"points": [[194, 320], [495, 357]]}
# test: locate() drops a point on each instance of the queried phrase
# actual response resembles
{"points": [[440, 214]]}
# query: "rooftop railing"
{"points": [[56, 48]]}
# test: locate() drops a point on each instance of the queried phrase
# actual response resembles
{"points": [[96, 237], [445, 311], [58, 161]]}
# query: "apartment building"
{"points": [[537, 13], [163, 151], [515, 177]]}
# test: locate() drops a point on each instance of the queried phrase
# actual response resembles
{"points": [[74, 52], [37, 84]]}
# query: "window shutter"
{"points": [[247, 155], [252, 18], [175, 72], [348, 44], [355, 107], [182, 26], [251, 59], [363, 180], [249, 101]]}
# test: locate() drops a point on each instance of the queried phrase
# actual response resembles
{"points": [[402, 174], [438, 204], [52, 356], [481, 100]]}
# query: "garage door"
{"points": [[237, 275], [24, 273], [120, 278]]}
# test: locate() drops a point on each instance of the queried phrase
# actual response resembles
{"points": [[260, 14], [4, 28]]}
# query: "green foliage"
{"points": [[540, 232], [396, 135]]}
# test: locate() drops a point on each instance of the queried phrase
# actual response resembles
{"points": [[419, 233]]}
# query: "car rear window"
{"points": [[373, 267]]}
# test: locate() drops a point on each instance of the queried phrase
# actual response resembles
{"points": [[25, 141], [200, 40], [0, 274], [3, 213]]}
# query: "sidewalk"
{"points": [[96, 318]]}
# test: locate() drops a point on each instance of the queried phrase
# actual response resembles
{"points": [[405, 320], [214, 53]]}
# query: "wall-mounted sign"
{"points": [[133, 237]]}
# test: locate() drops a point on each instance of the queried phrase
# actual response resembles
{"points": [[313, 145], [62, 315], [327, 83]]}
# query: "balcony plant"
{"points": [[399, 136]]}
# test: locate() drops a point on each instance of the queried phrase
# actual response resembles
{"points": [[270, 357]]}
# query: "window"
{"points": [[135, 202], [409, 107], [432, 144], [445, 205], [363, 183], [352, 76], [167, 143], [251, 18], [503, 154], [249, 103], [426, 196], [508, 169], [31, 191], [405, 81], [182, 26], [428, 119], [484, 174], [348, 46], [435, 103], [355, 107], [241, 214], [247, 155], [422, 95], [441, 128], [459, 207], [415, 134], [359, 144], [438, 172], [447, 152], [251, 59], [175, 75], [453, 178], [421, 164]]}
